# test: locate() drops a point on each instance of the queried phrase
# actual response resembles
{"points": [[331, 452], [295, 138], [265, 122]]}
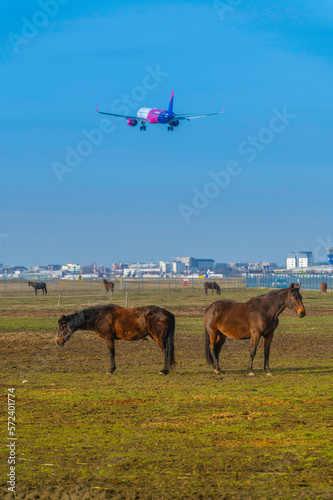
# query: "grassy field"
{"points": [[192, 434]]}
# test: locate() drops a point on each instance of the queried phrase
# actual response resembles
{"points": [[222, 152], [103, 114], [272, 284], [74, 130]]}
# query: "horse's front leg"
{"points": [[255, 337], [110, 344], [267, 346]]}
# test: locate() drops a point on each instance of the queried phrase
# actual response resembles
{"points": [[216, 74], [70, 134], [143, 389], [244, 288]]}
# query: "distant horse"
{"points": [[109, 285], [323, 287], [38, 286], [212, 286], [113, 322], [258, 317]]}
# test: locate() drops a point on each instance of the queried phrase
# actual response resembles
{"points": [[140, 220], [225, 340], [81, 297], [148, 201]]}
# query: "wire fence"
{"points": [[92, 286], [308, 282]]}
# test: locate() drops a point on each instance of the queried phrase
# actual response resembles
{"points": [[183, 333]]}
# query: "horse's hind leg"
{"points": [[110, 344], [216, 341], [160, 341], [267, 346], [159, 332], [255, 337], [218, 346]]}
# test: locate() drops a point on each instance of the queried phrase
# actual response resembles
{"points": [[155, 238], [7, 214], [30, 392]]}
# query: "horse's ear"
{"points": [[292, 286], [299, 285]]}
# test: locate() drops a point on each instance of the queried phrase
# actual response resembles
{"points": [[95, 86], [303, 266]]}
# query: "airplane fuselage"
{"points": [[159, 116], [154, 115]]}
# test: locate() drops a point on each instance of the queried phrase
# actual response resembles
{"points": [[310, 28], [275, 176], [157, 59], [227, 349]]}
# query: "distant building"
{"points": [[189, 262], [193, 264], [299, 259], [175, 267], [329, 256], [72, 268], [204, 264]]}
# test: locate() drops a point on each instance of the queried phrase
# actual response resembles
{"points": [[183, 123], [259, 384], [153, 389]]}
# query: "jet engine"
{"points": [[132, 122], [174, 123]]}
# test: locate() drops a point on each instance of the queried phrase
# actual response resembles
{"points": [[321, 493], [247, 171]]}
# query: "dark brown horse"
{"points": [[212, 285], [258, 317], [323, 287], [113, 322], [109, 285], [38, 286]]}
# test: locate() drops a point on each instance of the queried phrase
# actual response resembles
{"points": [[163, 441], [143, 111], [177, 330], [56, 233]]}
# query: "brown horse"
{"points": [[323, 287], [113, 322], [212, 286], [109, 285], [258, 317]]}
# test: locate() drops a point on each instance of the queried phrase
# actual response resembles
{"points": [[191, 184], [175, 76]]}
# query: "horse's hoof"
{"points": [[163, 372], [269, 374], [217, 372], [251, 374]]}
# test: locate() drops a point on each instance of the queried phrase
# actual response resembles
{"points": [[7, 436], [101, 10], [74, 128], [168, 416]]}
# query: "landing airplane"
{"points": [[161, 116]]}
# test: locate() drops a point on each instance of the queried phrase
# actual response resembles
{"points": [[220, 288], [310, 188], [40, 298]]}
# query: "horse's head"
{"points": [[64, 332], [294, 299]]}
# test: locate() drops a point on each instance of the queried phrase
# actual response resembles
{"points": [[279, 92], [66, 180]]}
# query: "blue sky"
{"points": [[122, 201]]}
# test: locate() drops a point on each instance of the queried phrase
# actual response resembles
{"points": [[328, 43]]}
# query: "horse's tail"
{"points": [[45, 290], [169, 342], [209, 357]]}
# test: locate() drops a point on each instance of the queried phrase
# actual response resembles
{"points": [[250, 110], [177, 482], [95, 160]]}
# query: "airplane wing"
{"points": [[192, 116], [121, 116]]}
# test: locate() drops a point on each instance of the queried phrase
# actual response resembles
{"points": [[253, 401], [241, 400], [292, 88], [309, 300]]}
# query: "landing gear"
{"points": [[170, 128], [143, 126]]}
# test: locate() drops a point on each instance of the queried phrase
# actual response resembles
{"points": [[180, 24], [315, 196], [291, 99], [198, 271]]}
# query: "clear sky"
{"points": [[253, 183]]}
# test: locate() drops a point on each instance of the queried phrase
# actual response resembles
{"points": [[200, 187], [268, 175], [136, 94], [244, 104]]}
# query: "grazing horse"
{"points": [[212, 286], [323, 287], [109, 285], [113, 322], [38, 286], [258, 317]]}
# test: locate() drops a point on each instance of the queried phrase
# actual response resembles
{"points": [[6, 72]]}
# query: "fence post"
{"points": [[125, 284], [21, 284], [159, 282], [73, 282], [175, 281], [90, 282], [56, 284], [4, 284], [141, 282]]}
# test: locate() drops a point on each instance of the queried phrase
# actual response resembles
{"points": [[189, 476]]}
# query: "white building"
{"points": [[175, 267], [72, 268], [299, 259]]}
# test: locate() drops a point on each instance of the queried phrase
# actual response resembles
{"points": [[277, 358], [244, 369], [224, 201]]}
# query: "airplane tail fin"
{"points": [[170, 108]]}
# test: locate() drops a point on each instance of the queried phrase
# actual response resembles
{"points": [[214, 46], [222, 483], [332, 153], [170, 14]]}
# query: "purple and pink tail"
{"points": [[170, 108]]}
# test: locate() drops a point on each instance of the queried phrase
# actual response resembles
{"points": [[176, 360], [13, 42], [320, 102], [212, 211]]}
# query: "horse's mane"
{"points": [[272, 292], [79, 318], [76, 321]]}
